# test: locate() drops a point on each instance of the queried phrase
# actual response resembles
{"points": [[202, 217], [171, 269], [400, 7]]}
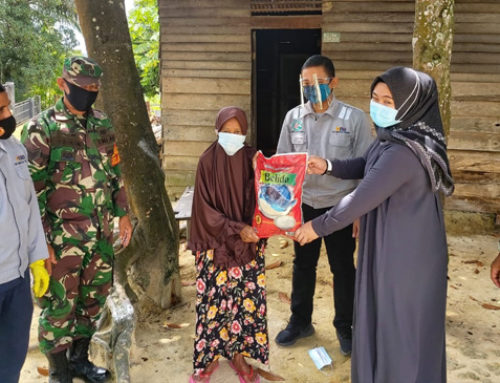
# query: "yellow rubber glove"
{"points": [[41, 278]]}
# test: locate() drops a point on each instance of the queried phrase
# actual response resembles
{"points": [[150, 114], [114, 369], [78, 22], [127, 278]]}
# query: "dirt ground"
{"points": [[162, 354]]}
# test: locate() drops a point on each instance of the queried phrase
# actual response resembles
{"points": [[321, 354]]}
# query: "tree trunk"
{"points": [[151, 260], [432, 47]]}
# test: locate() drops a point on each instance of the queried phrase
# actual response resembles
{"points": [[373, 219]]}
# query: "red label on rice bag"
{"points": [[278, 189]]}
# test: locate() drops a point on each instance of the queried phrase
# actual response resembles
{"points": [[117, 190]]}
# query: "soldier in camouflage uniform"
{"points": [[74, 165]]}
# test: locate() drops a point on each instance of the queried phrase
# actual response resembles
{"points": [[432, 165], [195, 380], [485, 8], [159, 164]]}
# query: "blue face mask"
{"points": [[231, 142], [310, 93], [382, 115]]}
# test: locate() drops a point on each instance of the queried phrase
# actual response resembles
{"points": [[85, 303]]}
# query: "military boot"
{"points": [[82, 367], [59, 368]]}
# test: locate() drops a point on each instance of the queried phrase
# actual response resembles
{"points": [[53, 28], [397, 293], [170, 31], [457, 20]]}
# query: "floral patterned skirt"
{"points": [[230, 311]]}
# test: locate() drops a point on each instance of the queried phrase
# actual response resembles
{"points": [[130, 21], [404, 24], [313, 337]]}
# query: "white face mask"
{"points": [[320, 357], [230, 142]]}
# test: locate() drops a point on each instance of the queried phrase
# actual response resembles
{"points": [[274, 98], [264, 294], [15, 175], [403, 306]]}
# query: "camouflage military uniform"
{"points": [[74, 166]]}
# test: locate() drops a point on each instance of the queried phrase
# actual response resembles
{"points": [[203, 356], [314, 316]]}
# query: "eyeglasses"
{"points": [[325, 80]]}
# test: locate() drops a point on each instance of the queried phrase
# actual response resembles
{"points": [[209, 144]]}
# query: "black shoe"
{"points": [[59, 368], [80, 365], [292, 332], [345, 340]]}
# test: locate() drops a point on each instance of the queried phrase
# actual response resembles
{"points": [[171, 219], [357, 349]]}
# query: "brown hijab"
{"points": [[224, 199]]}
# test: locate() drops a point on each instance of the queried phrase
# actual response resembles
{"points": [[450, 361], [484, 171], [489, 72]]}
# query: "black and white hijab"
{"points": [[420, 128]]}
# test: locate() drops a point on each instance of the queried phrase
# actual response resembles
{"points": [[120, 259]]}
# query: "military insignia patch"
{"points": [[115, 158]]}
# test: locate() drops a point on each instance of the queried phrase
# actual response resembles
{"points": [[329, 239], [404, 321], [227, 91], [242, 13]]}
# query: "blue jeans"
{"points": [[16, 309]]}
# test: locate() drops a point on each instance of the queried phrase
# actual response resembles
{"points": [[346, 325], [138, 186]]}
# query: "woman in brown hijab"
{"points": [[231, 295]]}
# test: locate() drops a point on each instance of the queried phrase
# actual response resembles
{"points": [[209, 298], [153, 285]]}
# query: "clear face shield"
{"points": [[317, 91]]}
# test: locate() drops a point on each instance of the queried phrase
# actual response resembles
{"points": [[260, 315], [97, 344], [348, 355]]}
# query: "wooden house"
{"points": [[248, 53]]}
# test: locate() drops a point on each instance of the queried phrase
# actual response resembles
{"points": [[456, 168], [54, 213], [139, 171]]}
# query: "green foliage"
{"points": [[145, 32], [35, 36]]}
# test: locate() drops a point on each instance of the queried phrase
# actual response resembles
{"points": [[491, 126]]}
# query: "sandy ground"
{"points": [[162, 354]]}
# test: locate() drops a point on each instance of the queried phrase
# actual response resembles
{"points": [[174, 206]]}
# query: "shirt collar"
{"points": [[2, 146], [63, 114]]}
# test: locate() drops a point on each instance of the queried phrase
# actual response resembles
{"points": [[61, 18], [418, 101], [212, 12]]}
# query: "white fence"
{"points": [[25, 110]]}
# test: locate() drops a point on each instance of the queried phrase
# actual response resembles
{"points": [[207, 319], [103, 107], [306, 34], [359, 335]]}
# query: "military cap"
{"points": [[82, 71]]}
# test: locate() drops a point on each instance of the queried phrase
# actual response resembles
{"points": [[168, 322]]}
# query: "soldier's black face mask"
{"points": [[8, 125], [80, 98]]}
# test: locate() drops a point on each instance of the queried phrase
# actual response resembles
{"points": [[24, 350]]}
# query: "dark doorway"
{"points": [[279, 57]]}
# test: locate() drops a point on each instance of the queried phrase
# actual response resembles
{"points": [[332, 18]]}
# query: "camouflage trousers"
{"points": [[79, 285]]}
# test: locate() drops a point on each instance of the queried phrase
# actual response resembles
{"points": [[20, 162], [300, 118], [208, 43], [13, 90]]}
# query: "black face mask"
{"points": [[80, 98], [8, 125]]}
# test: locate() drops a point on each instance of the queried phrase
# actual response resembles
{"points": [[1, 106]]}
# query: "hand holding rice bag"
{"points": [[278, 189]]}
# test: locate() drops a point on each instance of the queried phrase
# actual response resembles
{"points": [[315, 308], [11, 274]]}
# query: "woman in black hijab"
{"points": [[400, 302], [231, 294]]}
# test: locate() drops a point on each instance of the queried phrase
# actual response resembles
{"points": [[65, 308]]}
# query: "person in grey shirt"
{"points": [[328, 128], [23, 243], [400, 302]]}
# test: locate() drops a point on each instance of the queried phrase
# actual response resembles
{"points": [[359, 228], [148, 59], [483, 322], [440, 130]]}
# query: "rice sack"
{"points": [[278, 189]]}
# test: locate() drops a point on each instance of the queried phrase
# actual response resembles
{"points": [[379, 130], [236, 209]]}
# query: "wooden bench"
{"points": [[183, 207]]}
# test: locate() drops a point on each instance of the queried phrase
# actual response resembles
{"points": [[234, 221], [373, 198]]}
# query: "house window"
{"points": [[285, 7]]}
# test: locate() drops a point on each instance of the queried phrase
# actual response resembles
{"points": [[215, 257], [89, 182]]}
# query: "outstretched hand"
{"points": [[305, 234], [316, 165]]}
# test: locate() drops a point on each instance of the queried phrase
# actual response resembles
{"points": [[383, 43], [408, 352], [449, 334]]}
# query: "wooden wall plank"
{"points": [[203, 101], [185, 148], [475, 108], [400, 48], [195, 12], [180, 162], [180, 177], [489, 191], [476, 205], [468, 160], [480, 141], [190, 133], [475, 68], [376, 37], [475, 77], [362, 16], [476, 17], [481, 57], [373, 27], [222, 29], [165, 5], [205, 38], [176, 117], [206, 56], [206, 47], [478, 124], [241, 22], [206, 86], [472, 7], [288, 22], [369, 7], [202, 65], [208, 73]]}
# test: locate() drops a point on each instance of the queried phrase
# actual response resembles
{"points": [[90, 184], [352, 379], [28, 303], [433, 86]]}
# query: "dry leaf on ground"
{"points": [[44, 371], [474, 261], [284, 297], [284, 245], [489, 306], [274, 265], [270, 376]]}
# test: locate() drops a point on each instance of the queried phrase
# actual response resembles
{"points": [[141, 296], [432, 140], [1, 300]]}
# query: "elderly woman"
{"points": [[231, 295], [400, 298]]}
